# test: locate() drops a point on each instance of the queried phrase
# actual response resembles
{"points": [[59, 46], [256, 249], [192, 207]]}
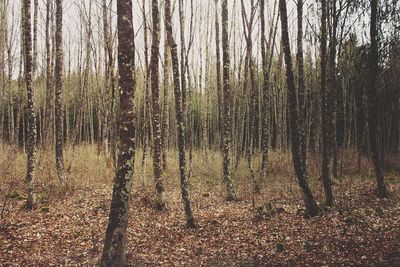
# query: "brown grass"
{"points": [[86, 169]]}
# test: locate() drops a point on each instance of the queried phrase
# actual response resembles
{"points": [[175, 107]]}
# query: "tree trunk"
{"points": [[146, 111], [48, 129], [301, 171], [179, 116], [382, 191], [58, 73], [219, 81], [20, 110], [31, 142], [155, 47], [165, 116], [301, 85], [265, 89], [115, 239], [326, 131], [226, 150]]}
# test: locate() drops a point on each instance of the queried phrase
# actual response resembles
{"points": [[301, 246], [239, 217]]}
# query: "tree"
{"points": [[58, 73], [31, 140], [165, 114], [179, 116], [326, 129], [300, 169], [19, 120], [226, 148], [382, 191], [48, 122], [300, 82], [265, 118], [218, 66], [115, 239], [155, 47], [147, 101]]}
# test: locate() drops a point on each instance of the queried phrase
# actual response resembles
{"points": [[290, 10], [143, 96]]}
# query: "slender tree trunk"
{"points": [[219, 81], [146, 111], [155, 47], [266, 95], [179, 116], [20, 109], [35, 32], [48, 133], [115, 239], [31, 144], [226, 151], [183, 57], [165, 116], [326, 131], [4, 119], [332, 85], [10, 59], [58, 93], [382, 191], [301, 84], [301, 172]]}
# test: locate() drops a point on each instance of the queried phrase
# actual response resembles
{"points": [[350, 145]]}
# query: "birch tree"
{"points": [[155, 47], [190, 223], [226, 148], [115, 239], [31, 138], [58, 75]]}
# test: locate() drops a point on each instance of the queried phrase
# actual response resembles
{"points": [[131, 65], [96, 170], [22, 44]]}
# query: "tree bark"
{"points": [[179, 116], [226, 149], [326, 131], [301, 84], [115, 239], [382, 191], [31, 140], [301, 172], [218, 66], [58, 73], [48, 121], [147, 103], [155, 47], [165, 116]]}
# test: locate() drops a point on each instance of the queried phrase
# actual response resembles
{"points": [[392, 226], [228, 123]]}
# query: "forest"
{"points": [[199, 132]]}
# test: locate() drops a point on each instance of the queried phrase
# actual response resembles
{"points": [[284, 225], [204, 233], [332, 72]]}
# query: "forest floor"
{"points": [[67, 227]]}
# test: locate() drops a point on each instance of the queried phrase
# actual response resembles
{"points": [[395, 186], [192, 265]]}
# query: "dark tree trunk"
{"points": [[301, 171], [301, 84], [58, 72], [226, 149], [326, 131], [115, 239], [382, 191]]}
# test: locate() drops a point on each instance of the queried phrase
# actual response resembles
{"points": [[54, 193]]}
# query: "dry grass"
{"points": [[86, 169]]}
